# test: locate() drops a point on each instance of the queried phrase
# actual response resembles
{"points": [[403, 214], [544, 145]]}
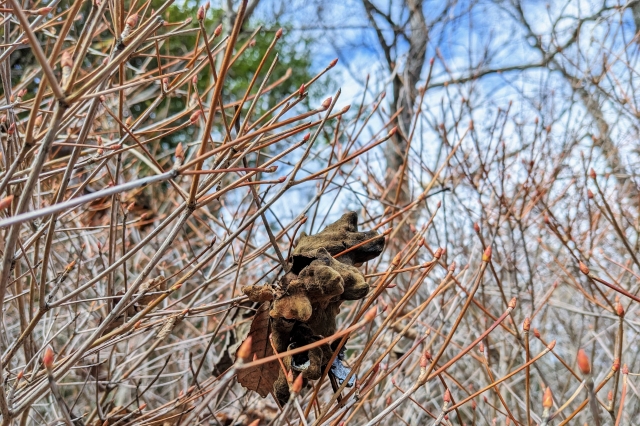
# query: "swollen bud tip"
{"points": [[584, 269], [371, 314], [48, 357], [244, 351], [297, 384], [486, 256], [279, 33], [547, 398], [583, 362]]}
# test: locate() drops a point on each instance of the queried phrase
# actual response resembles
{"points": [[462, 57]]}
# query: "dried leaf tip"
{"points": [[279, 33], [584, 269], [486, 256], [583, 362], [48, 357], [547, 398], [244, 351], [6, 202], [512, 303], [297, 384]]}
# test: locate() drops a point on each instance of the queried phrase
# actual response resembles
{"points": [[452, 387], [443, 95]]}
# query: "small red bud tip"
{"points": [[476, 227], [301, 90], [583, 362], [584, 269], [551, 345], [609, 396], [589, 194], [447, 396], [5, 202], [200, 14], [207, 5], [132, 20], [195, 116], [625, 369], [619, 309], [486, 256], [333, 63], [481, 347], [473, 405], [393, 131], [439, 204], [371, 314], [592, 173], [297, 384], [536, 333], [616, 364], [194, 80], [290, 377], [452, 267], [279, 33], [252, 42], [256, 422], [526, 326], [218, 30], [20, 375], [137, 324], [512, 303], [471, 125], [345, 109], [129, 121], [306, 137], [547, 398], [48, 357], [244, 351], [438, 253], [326, 103]]}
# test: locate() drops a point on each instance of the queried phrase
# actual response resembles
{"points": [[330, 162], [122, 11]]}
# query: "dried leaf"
{"points": [[260, 378]]}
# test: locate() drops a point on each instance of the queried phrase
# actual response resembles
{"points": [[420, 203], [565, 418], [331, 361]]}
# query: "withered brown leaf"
{"points": [[260, 378]]}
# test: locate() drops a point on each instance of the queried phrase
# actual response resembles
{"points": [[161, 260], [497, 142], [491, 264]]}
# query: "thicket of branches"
{"points": [[141, 187]]}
